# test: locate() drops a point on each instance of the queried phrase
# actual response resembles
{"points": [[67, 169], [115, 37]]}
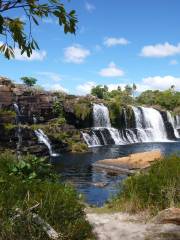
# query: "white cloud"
{"points": [[55, 77], [57, 87], [54, 87], [109, 42], [35, 56], [160, 50], [162, 83], [85, 88], [173, 62], [76, 54], [89, 7], [111, 71]]}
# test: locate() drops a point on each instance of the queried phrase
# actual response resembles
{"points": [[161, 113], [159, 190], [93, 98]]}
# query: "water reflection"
{"points": [[77, 168]]}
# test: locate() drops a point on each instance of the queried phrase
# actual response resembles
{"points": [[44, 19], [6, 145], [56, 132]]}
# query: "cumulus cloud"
{"points": [[76, 54], [162, 83], [111, 71], [89, 7], [51, 76], [109, 42], [173, 62], [35, 56], [57, 87], [160, 50], [85, 88]]}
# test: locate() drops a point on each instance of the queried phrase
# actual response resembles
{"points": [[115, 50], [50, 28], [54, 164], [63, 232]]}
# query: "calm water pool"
{"points": [[77, 168]]}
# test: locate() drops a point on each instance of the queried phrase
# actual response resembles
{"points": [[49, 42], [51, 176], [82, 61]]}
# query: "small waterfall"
{"points": [[177, 121], [149, 124], [101, 116], [172, 121], [43, 138], [91, 139], [19, 130], [102, 133]]}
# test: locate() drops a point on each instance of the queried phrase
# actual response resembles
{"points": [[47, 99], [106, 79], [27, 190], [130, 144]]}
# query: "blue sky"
{"points": [[118, 42]]}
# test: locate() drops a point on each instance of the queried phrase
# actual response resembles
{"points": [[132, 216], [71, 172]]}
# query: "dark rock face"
{"points": [[31, 102], [71, 116], [168, 126]]}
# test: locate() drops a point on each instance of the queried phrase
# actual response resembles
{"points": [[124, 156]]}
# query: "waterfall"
{"points": [[149, 125], [174, 121], [101, 116], [19, 130], [91, 139], [43, 138], [102, 133]]}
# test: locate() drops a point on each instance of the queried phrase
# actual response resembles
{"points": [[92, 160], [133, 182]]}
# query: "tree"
{"points": [[12, 30], [100, 91], [29, 81]]}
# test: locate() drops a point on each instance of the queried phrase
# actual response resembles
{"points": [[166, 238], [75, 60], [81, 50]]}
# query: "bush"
{"points": [[56, 203], [155, 190], [82, 110]]}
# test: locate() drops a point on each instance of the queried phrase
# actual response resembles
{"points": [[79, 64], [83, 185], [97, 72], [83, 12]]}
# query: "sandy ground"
{"points": [[134, 161], [120, 226]]}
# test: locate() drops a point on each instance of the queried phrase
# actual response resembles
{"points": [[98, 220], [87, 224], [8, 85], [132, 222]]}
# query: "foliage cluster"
{"points": [[29, 81], [168, 99], [82, 109], [23, 185], [156, 189], [16, 30], [7, 113], [121, 96]]}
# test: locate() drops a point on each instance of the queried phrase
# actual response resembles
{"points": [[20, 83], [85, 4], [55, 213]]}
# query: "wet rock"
{"points": [[100, 184]]}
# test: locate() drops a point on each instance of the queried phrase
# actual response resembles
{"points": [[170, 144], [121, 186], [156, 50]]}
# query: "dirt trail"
{"points": [[120, 226]]}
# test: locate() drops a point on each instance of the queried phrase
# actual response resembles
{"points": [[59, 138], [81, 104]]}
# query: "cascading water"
{"points": [[101, 116], [175, 122], [102, 133], [43, 138], [18, 132], [148, 126]]}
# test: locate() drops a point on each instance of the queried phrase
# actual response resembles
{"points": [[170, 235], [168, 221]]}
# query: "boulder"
{"points": [[170, 215]]}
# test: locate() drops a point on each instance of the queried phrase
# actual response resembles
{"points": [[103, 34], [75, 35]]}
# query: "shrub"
{"points": [[156, 189], [82, 110], [56, 203]]}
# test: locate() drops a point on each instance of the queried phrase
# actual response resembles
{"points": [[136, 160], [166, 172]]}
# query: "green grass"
{"points": [[157, 189], [22, 185]]}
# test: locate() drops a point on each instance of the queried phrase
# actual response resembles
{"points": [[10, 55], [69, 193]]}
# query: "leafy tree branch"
{"points": [[12, 30]]}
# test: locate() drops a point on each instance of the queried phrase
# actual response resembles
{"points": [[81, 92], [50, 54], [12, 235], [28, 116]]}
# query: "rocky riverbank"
{"points": [[115, 226]]}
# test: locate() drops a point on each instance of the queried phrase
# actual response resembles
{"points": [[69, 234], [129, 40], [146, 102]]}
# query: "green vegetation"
{"points": [[62, 134], [82, 109], [58, 109], [154, 190], [7, 113], [29, 81], [30, 188], [168, 99], [13, 30]]}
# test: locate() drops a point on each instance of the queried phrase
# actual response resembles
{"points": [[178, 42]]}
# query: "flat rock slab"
{"points": [[120, 226], [132, 162]]}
